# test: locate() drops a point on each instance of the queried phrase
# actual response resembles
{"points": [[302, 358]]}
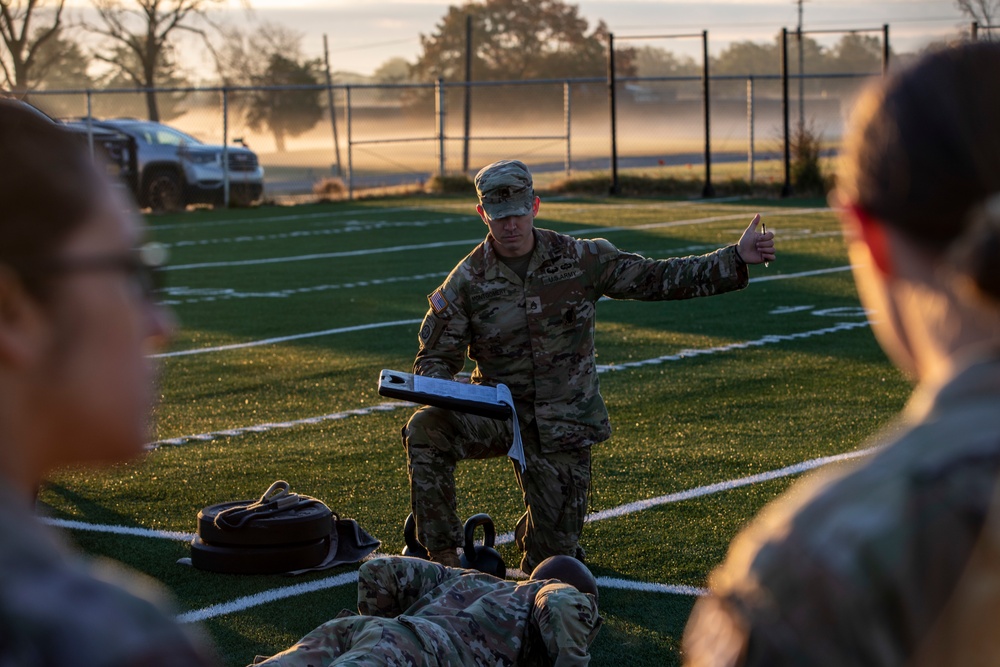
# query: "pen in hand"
{"points": [[763, 230]]}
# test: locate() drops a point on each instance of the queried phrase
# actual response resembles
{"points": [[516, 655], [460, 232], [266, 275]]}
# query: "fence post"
{"points": [[330, 103], [885, 49], [614, 190], [708, 190], [567, 118], [439, 110], [225, 146], [468, 93], [90, 123], [786, 188], [750, 155], [350, 144], [974, 31], [802, 78]]}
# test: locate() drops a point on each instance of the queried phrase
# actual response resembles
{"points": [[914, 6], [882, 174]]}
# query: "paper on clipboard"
{"points": [[486, 401]]}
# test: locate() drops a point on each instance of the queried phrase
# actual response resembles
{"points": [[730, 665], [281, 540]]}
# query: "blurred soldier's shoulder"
{"points": [[56, 608]]}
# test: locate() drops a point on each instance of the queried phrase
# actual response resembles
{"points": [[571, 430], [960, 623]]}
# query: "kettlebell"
{"points": [[413, 546], [483, 558]]}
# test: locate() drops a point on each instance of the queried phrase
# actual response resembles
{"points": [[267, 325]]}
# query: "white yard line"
{"points": [[601, 368], [272, 426], [284, 218], [350, 227], [764, 340], [184, 295], [471, 242], [283, 339], [265, 597], [379, 325]]}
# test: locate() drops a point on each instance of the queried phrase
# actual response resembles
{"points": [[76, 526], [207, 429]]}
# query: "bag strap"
{"points": [[275, 500]]}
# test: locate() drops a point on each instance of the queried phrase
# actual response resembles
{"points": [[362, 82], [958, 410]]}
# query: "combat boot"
{"points": [[448, 557]]}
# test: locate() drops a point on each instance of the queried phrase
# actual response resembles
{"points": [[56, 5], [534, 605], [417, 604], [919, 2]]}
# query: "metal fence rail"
{"points": [[404, 134]]}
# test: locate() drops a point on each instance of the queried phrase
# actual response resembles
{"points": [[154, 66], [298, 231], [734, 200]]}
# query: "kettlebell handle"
{"points": [[489, 534], [413, 545]]}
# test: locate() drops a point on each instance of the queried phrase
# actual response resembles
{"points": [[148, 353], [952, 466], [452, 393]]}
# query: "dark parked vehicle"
{"points": [[115, 149], [174, 169]]}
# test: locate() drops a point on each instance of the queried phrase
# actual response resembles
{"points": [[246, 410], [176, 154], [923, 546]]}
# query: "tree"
{"points": [[169, 75], [651, 61], [984, 12], [860, 54], [25, 63], [143, 29], [394, 70], [287, 113], [516, 40], [748, 58], [64, 65], [272, 56]]}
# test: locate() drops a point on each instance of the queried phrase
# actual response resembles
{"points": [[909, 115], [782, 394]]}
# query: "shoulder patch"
{"points": [[438, 302], [603, 248]]}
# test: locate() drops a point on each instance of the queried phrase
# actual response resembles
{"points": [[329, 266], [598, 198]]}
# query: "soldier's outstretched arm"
{"points": [[389, 586]]}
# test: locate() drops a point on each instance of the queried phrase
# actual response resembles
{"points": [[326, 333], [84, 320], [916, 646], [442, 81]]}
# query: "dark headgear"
{"points": [[567, 570]]}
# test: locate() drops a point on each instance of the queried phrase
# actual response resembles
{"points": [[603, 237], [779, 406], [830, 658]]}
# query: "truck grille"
{"points": [[242, 162]]}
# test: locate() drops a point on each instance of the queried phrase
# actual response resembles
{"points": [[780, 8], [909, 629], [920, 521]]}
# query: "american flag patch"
{"points": [[438, 302]]}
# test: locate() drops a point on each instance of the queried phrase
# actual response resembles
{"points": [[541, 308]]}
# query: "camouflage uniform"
{"points": [[419, 613], [55, 610], [537, 337], [895, 562]]}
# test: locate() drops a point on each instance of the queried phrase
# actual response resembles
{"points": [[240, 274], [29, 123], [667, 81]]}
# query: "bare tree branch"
{"points": [[22, 43], [145, 29], [984, 12]]}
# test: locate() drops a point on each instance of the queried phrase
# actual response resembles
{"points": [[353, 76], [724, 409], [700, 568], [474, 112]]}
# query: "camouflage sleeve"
{"points": [[567, 622], [626, 275], [389, 586], [444, 336]]}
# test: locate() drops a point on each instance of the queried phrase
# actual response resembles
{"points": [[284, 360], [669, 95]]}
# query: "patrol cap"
{"points": [[505, 189]]}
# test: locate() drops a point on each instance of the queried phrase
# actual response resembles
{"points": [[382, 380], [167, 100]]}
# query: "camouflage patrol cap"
{"points": [[504, 189]]}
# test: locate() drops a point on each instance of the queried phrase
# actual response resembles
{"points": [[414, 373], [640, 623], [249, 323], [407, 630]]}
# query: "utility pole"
{"points": [[330, 104], [802, 109]]}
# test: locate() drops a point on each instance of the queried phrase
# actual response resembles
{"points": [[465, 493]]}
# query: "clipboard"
{"points": [[477, 399]]}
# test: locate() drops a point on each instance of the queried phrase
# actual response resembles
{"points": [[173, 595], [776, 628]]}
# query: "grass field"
{"points": [[289, 314]]}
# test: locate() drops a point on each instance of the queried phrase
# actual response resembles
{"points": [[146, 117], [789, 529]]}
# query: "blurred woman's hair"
{"points": [[49, 186], [923, 157]]}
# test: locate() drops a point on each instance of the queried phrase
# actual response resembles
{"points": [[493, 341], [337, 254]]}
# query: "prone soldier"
{"points": [[424, 614]]}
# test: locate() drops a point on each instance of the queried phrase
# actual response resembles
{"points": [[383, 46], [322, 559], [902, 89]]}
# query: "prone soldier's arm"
{"points": [[567, 622], [388, 586]]}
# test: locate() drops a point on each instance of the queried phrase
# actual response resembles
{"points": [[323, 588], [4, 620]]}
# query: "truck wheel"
{"points": [[163, 193]]}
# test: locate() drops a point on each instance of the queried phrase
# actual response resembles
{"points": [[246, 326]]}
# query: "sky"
{"points": [[363, 34]]}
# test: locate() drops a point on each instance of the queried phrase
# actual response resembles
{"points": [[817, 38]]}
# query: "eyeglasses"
{"points": [[143, 266]]}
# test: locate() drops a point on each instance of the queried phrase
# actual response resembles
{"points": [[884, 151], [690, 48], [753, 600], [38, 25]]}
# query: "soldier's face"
{"points": [[512, 236]]}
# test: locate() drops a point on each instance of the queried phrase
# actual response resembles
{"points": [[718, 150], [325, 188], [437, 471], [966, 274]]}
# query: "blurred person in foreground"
{"points": [[423, 614], [77, 319], [522, 306], [897, 560]]}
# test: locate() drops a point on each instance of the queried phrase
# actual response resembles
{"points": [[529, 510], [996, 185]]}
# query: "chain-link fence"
{"points": [[381, 137]]}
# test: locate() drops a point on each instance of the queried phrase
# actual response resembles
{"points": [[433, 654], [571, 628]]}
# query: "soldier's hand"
{"points": [[756, 247]]}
